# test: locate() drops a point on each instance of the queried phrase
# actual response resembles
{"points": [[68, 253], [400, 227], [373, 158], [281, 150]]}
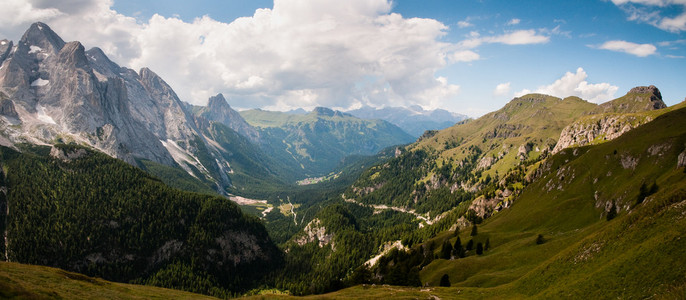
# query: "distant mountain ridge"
{"points": [[318, 141], [57, 92], [414, 119]]}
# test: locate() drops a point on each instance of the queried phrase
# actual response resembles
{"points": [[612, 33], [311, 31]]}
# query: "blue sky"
{"points": [[465, 56]]}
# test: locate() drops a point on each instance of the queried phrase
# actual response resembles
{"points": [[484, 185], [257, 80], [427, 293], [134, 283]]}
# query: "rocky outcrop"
{"points": [[641, 98], [597, 129], [7, 107], [218, 110], [681, 160], [523, 151], [67, 156], [486, 162], [315, 232], [484, 207]]}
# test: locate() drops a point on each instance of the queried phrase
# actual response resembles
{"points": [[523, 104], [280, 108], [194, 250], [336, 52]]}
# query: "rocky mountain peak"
{"points": [[218, 102], [640, 98], [219, 110], [42, 38], [73, 54], [654, 91], [98, 58], [323, 111]]}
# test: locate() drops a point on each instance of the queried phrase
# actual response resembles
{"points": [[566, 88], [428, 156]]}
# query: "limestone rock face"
{"points": [[218, 110], [598, 128], [681, 160], [59, 92], [7, 107], [612, 119], [315, 232]]}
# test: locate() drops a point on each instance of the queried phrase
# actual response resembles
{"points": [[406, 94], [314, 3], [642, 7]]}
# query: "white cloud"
{"points": [[464, 56], [502, 89], [300, 53], [464, 24], [514, 21], [640, 50], [575, 84], [18, 12], [653, 12], [518, 37]]}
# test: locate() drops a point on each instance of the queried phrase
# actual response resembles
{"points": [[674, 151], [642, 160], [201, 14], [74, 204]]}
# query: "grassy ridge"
{"points": [[19, 281], [637, 254]]}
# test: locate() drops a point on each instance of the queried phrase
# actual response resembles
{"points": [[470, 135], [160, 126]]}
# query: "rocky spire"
{"points": [[40, 35], [219, 110]]}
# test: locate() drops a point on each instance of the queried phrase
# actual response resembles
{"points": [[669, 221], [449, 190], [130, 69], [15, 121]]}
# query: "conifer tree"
{"points": [[445, 280], [447, 250]]}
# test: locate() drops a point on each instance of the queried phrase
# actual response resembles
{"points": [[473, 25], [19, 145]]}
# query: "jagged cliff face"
{"points": [[612, 119], [218, 110], [58, 96], [57, 92]]}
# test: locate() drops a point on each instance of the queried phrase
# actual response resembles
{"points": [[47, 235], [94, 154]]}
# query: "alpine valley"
{"points": [[113, 187]]}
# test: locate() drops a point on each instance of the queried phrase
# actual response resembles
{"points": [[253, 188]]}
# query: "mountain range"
{"points": [[413, 120], [106, 172], [57, 92]]}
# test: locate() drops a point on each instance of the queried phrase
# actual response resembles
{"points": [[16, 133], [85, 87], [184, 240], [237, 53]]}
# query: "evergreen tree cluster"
{"points": [[102, 217]]}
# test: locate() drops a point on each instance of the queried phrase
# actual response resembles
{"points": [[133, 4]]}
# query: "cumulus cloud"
{"points": [[464, 56], [502, 89], [514, 21], [640, 50], [300, 53], [655, 12], [464, 24], [575, 84], [518, 37], [19, 12]]}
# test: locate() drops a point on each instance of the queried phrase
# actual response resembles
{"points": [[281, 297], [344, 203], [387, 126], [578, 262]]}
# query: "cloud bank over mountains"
{"points": [[300, 53], [338, 54]]}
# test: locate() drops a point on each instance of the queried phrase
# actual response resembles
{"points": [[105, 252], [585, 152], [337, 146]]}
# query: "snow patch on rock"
{"points": [[34, 49], [42, 116], [40, 82]]}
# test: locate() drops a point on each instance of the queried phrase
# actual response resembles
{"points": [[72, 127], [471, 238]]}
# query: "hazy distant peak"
{"points": [[413, 119], [218, 102]]}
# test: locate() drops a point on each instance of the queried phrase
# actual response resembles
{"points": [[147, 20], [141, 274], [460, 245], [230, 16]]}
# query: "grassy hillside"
{"points": [[450, 166], [18, 281], [489, 157], [601, 237], [315, 143]]}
